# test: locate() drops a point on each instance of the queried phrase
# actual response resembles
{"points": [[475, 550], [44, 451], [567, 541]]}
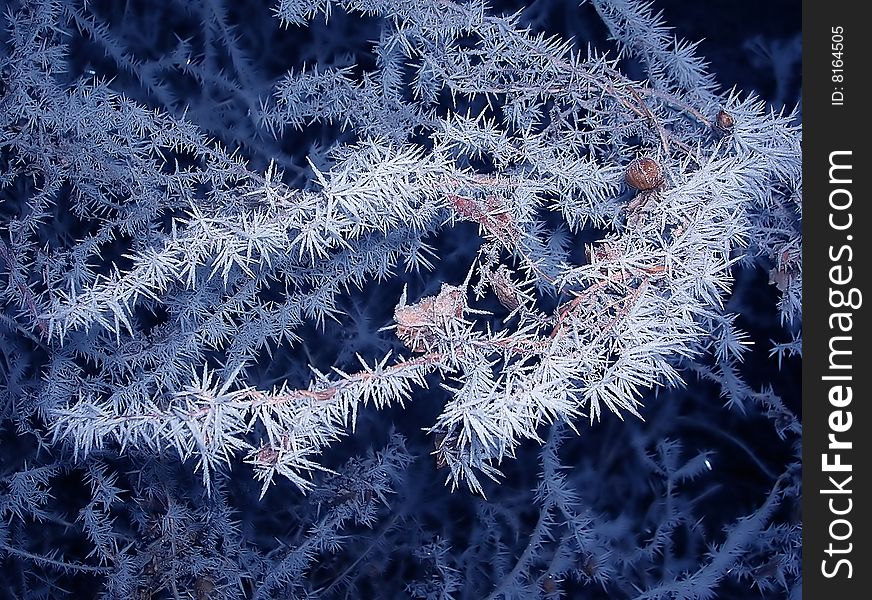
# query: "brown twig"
{"points": [[23, 290]]}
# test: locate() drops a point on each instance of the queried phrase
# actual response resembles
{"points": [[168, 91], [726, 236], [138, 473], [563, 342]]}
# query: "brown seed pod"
{"points": [[418, 324], [725, 120], [644, 174], [505, 289]]}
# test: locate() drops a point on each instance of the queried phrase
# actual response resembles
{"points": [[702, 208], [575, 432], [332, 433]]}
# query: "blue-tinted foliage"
{"points": [[382, 299]]}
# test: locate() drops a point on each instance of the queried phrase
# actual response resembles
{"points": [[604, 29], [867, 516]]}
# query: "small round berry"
{"points": [[725, 120], [644, 174]]}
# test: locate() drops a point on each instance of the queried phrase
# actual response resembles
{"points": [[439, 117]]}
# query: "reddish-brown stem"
{"points": [[23, 290]]}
